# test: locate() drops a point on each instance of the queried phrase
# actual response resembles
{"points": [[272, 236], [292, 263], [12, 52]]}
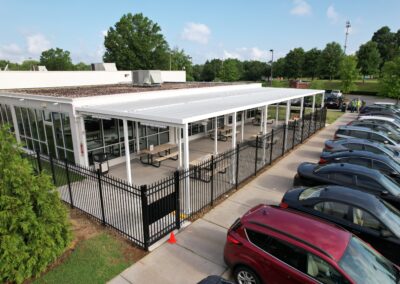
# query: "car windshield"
{"points": [[364, 265], [392, 151], [394, 137], [390, 216], [390, 184], [312, 192]]}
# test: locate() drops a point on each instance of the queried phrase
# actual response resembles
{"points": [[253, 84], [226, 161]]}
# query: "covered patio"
{"points": [[178, 110]]}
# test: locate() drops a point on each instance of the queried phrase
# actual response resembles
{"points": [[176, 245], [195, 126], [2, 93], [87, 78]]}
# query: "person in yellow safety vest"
{"points": [[352, 105], [358, 104]]}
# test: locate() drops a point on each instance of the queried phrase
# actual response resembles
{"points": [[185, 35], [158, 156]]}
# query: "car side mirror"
{"points": [[385, 192], [394, 175], [386, 142], [385, 233]]}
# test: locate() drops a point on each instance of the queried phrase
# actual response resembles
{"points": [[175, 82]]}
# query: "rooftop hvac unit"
{"points": [[146, 77]]}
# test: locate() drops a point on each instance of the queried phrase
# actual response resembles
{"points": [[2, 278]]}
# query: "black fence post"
{"points": [[237, 165], [212, 181], [294, 133], [39, 161], [256, 156], [52, 170], [284, 139], [71, 200], [145, 217], [177, 201], [103, 219], [309, 125], [271, 144]]}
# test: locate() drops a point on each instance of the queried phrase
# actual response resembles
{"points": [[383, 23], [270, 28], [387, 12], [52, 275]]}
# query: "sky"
{"points": [[205, 29]]}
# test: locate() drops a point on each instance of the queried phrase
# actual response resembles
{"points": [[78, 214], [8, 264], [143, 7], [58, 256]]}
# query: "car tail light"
{"points": [[232, 240], [322, 161], [328, 147], [350, 123], [283, 205], [335, 137]]}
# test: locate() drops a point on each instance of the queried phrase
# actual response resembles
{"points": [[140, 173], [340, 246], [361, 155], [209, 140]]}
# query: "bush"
{"points": [[34, 229]]}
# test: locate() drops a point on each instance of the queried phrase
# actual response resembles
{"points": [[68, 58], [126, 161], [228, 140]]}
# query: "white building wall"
{"points": [[50, 79]]}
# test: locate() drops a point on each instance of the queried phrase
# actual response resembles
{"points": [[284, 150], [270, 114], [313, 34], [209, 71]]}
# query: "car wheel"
{"points": [[244, 275]]}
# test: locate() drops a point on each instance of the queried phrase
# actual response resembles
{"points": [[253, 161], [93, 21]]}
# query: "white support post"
{"points": [[186, 167], [83, 146], [287, 121], [313, 103], [233, 146], [137, 137], [242, 128], [265, 130], [216, 136], [301, 107], [127, 154], [179, 130], [277, 114], [15, 123], [323, 100], [261, 120]]}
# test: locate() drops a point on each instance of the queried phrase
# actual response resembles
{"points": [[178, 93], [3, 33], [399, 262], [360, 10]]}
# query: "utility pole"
{"points": [[347, 33], [272, 63]]}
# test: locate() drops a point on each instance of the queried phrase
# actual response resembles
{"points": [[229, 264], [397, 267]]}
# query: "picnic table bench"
{"points": [[205, 171], [158, 154]]}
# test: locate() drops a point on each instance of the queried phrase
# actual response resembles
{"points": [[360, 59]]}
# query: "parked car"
{"points": [[354, 176], [376, 126], [374, 108], [349, 131], [361, 144], [395, 123], [214, 279], [382, 112], [365, 215], [269, 244], [334, 101], [382, 163]]}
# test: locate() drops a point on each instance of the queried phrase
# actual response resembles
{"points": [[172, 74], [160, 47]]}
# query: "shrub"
{"points": [[34, 229]]}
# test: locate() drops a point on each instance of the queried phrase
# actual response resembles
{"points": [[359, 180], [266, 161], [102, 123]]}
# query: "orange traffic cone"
{"points": [[172, 239]]}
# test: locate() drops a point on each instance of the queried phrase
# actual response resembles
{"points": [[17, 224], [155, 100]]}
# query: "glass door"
{"points": [[50, 141]]}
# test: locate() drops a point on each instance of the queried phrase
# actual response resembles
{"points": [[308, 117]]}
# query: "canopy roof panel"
{"points": [[185, 108]]}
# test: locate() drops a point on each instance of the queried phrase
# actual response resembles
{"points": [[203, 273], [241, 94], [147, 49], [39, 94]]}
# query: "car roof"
{"points": [[376, 117], [348, 168], [357, 140], [331, 238], [359, 153], [351, 196], [360, 128]]}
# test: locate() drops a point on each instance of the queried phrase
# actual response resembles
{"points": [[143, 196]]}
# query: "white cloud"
{"points": [[37, 43], [196, 32], [332, 15], [12, 52], [228, 54], [104, 33], [301, 8], [247, 53]]}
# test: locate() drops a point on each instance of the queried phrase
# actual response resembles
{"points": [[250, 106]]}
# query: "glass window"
{"points": [[152, 140], [39, 120], [334, 209], [382, 167], [34, 126], [110, 131], [368, 183], [151, 130], [58, 129], [364, 219], [19, 121], [343, 178], [322, 271], [359, 134], [378, 138], [312, 192], [164, 137], [353, 146], [67, 131], [360, 161], [93, 133], [373, 149]]}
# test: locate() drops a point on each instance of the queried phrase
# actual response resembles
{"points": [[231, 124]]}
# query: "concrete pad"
{"points": [[252, 196], [119, 280], [205, 239], [225, 214], [228, 274], [171, 264]]}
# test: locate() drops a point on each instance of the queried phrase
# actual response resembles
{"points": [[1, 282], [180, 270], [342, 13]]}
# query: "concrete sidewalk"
{"points": [[199, 249]]}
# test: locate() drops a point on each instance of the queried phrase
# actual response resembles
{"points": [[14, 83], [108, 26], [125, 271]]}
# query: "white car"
{"points": [[336, 93], [389, 120], [384, 104]]}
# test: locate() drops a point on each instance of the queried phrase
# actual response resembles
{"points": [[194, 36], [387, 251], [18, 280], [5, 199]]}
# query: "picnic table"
{"points": [[223, 133], [205, 171], [158, 154]]}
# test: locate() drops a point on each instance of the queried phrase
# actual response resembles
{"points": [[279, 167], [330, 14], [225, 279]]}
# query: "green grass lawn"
{"points": [[95, 260], [332, 115]]}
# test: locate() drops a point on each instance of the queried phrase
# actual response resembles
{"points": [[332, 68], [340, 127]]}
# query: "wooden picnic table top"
{"points": [[159, 148], [199, 160]]}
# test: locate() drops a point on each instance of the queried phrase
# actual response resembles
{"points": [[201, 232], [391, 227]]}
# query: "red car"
{"points": [[277, 245]]}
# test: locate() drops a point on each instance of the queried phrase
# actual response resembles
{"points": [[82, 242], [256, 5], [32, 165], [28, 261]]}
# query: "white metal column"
{"points": [[301, 107], [242, 128], [179, 130], [234, 147], [186, 167], [265, 130], [277, 114], [287, 121], [137, 137], [216, 136], [313, 103], [323, 100], [15, 123], [261, 120], [127, 154]]}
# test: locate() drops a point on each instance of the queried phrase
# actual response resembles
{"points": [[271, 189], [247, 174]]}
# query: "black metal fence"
{"points": [[145, 214]]}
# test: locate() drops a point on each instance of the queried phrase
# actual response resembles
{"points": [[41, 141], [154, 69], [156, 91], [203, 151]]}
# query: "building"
{"points": [[58, 114]]}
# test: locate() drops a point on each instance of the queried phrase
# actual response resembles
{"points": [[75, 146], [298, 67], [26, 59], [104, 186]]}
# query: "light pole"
{"points": [[347, 33], [272, 63]]}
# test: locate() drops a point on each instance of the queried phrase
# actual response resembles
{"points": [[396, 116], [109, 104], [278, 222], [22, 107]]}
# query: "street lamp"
{"points": [[272, 62]]}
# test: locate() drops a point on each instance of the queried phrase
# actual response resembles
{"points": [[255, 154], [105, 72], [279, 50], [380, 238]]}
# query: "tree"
{"points": [[181, 61], [56, 59], [136, 42], [254, 70], [212, 70], [348, 72], [197, 71], [279, 68], [29, 65], [387, 44], [390, 79], [311, 63], [294, 62], [34, 230], [81, 66], [232, 70], [368, 59], [330, 60]]}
